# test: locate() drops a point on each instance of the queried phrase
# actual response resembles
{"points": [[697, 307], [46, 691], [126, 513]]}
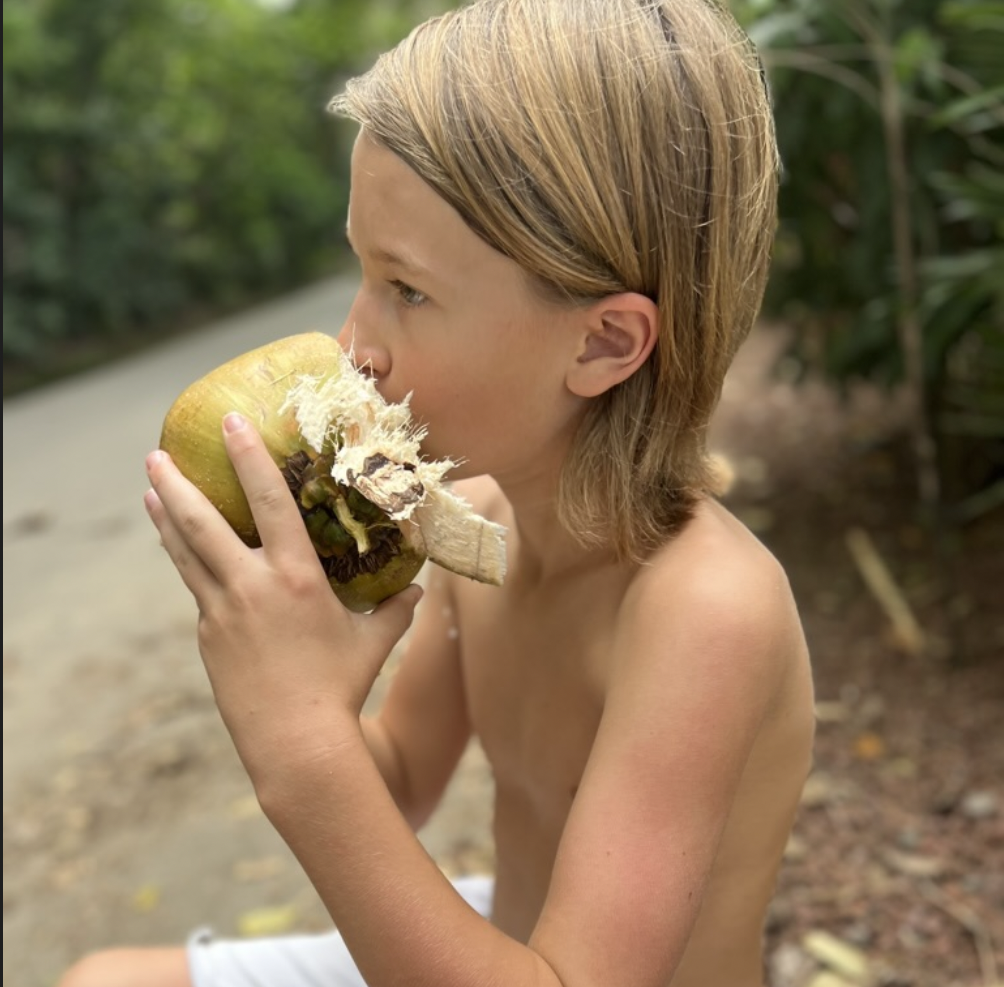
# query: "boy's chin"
{"points": [[432, 450], [464, 470]]}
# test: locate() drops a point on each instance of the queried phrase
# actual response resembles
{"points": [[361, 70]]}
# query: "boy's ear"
{"points": [[618, 335]]}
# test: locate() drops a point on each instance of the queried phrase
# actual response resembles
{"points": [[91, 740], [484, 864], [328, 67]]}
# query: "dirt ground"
{"points": [[127, 818], [899, 848]]}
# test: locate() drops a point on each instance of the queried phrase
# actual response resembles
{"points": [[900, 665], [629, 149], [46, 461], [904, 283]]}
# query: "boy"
{"points": [[563, 211]]}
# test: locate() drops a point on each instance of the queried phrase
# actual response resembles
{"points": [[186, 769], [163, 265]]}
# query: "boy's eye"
{"points": [[408, 295]]}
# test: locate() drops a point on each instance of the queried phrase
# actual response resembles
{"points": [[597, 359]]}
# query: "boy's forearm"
{"points": [[401, 918], [387, 758]]}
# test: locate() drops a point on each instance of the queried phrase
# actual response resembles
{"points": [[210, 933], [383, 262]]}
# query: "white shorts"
{"points": [[320, 960]]}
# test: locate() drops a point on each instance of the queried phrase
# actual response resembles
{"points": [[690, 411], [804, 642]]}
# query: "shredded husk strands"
{"points": [[376, 450]]}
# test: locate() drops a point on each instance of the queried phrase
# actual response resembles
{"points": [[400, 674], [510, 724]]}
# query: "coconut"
{"points": [[374, 508]]}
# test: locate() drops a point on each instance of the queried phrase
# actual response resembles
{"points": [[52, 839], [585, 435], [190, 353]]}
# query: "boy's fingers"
{"points": [[394, 616], [197, 528], [273, 508], [193, 571]]}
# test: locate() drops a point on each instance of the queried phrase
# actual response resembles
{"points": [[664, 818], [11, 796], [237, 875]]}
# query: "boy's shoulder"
{"points": [[717, 590], [712, 557]]}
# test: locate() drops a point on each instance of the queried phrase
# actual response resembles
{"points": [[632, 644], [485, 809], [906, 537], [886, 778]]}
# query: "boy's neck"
{"points": [[544, 549]]}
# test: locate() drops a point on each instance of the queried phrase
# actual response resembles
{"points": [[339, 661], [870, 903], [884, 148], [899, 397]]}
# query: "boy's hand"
{"points": [[289, 665]]}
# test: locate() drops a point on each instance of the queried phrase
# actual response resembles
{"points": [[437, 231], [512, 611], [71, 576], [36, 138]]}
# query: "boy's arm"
{"points": [[698, 667], [696, 671], [421, 729]]}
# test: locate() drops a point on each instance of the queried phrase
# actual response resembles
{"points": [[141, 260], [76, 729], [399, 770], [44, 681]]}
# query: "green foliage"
{"points": [[840, 273], [165, 158]]}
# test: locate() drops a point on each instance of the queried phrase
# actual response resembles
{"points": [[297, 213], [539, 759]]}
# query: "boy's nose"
{"points": [[366, 354]]}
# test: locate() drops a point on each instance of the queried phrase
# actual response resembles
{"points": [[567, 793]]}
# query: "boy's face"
{"points": [[441, 314]]}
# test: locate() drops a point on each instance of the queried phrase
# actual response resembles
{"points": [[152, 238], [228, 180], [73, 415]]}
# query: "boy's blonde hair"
{"points": [[606, 146]]}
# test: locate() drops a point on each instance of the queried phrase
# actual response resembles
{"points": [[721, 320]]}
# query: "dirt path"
{"points": [[127, 818]]}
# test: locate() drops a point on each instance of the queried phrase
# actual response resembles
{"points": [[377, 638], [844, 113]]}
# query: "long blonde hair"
{"points": [[605, 146]]}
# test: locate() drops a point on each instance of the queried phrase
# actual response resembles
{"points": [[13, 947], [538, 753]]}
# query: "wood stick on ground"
{"points": [[908, 632], [972, 923]]}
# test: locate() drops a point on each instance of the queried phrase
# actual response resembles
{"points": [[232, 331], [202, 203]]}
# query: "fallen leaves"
{"points": [[822, 788], [914, 864], [839, 958], [269, 921], [869, 746], [146, 899]]}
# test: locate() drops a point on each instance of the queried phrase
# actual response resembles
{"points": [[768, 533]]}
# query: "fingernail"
{"points": [[149, 500], [233, 422], [156, 457]]}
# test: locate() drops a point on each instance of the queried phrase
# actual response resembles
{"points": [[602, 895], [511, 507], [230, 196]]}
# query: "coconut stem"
{"points": [[351, 525]]}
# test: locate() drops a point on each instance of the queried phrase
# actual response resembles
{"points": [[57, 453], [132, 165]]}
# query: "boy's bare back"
{"points": [[607, 700]]}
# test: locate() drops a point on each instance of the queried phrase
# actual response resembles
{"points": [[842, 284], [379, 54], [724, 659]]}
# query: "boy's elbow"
{"points": [[417, 815], [415, 806]]}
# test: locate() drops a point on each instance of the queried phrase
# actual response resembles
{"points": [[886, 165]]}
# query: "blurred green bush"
{"points": [[890, 255], [165, 159]]}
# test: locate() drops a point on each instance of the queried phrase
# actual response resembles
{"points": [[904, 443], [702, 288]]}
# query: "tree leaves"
{"points": [[167, 157], [836, 274]]}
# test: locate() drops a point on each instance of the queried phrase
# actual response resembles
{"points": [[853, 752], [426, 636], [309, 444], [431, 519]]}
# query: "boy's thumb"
{"points": [[394, 615]]}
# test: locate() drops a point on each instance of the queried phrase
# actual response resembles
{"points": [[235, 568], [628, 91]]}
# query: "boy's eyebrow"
{"points": [[390, 257]]}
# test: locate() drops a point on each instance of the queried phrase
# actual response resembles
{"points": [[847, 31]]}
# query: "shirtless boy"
{"points": [[563, 211]]}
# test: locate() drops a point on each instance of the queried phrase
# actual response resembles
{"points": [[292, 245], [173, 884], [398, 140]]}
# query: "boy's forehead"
{"points": [[385, 189], [395, 216], [389, 253], [392, 212]]}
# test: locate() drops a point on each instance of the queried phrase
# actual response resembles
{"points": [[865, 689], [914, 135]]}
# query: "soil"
{"points": [[899, 847], [127, 818]]}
